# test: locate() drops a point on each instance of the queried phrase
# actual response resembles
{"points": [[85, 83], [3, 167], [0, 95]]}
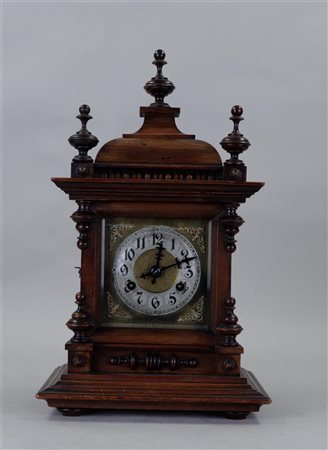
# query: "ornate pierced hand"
{"points": [[156, 269]]}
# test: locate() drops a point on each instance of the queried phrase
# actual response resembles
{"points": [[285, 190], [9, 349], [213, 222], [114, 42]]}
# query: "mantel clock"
{"points": [[154, 326]]}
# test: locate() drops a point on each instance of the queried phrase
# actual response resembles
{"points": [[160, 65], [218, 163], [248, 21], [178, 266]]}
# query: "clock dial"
{"points": [[156, 271]]}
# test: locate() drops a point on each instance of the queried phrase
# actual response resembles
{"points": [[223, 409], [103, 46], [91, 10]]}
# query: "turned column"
{"points": [[82, 320], [228, 224]]}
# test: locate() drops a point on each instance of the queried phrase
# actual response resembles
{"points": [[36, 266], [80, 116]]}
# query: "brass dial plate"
{"points": [[146, 261]]}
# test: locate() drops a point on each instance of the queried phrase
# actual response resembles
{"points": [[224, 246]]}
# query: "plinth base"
{"points": [[75, 394]]}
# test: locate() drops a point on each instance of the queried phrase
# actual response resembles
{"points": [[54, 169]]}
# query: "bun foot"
{"points": [[72, 411], [236, 415]]}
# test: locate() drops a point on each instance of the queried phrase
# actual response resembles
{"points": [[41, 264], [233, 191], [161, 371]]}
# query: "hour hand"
{"points": [[156, 270], [159, 255]]}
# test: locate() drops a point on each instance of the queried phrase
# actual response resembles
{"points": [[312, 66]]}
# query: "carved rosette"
{"points": [[79, 359], [152, 361], [83, 218], [230, 223], [228, 364], [229, 328], [79, 323]]}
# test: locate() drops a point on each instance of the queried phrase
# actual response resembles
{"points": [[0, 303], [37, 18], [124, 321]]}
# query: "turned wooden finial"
{"points": [[235, 143], [83, 140], [229, 327], [159, 86]]}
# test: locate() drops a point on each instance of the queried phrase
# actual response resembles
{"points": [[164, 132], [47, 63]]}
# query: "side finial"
{"points": [[83, 140], [235, 143], [159, 86]]}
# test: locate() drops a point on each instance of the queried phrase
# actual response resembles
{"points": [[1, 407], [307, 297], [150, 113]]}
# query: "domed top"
{"points": [[158, 149]]}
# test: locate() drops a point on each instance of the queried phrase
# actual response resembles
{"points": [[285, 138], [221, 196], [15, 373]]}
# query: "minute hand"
{"points": [[161, 269], [178, 263]]}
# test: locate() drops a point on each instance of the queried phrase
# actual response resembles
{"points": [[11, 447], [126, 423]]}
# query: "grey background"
{"points": [[270, 57]]}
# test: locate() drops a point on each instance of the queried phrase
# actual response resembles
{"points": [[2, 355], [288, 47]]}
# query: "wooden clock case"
{"points": [[157, 172]]}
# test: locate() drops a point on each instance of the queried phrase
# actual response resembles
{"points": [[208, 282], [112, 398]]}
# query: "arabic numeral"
{"points": [[189, 273], [155, 302], [124, 270], [157, 237], [172, 299], [129, 254], [185, 253], [141, 242], [139, 295], [173, 244]]}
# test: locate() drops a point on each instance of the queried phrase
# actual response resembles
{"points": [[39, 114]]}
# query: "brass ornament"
{"points": [[118, 231], [195, 314], [114, 311], [195, 234]]}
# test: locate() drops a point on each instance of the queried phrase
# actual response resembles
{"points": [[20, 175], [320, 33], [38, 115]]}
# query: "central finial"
{"points": [[159, 86]]}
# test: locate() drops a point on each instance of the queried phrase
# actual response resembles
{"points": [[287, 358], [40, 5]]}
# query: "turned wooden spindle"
{"points": [[230, 222], [79, 322], [229, 328]]}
